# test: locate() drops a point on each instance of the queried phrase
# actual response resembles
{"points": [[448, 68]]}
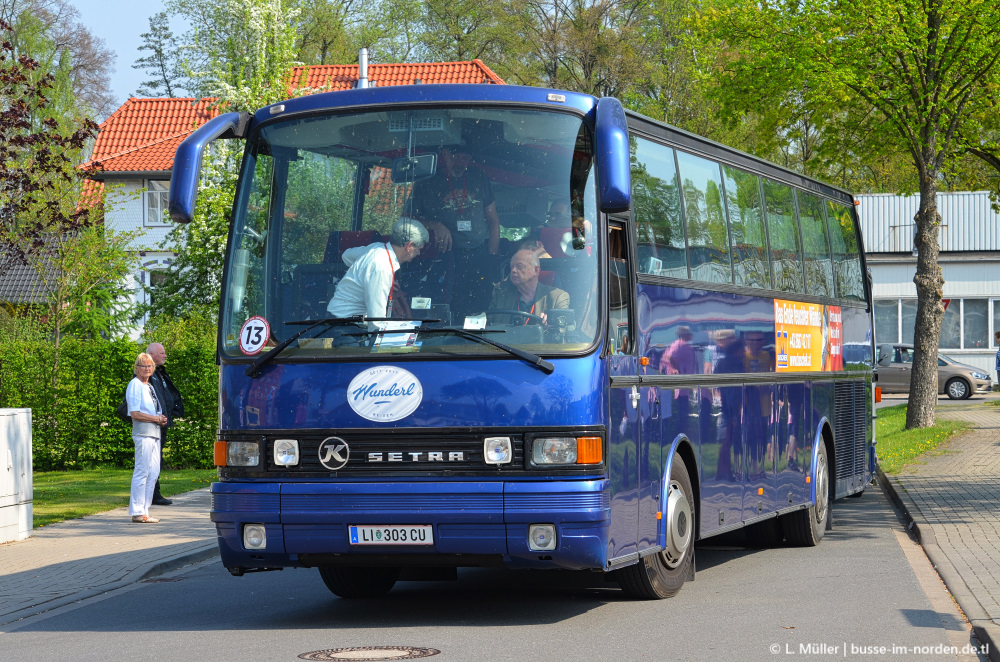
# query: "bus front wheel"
{"points": [[359, 582], [663, 574]]}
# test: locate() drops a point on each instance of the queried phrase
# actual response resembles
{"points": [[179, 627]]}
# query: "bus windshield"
{"points": [[505, 203]]}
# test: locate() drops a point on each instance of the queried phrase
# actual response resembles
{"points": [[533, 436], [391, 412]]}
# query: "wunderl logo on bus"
{"points": [[384, 393]]}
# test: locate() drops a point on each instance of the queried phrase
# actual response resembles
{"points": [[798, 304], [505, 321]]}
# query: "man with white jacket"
{"points": [[366, 288]]}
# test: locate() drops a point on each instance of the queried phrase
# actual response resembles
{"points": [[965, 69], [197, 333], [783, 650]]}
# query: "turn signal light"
{"points": [[220, 454], [878, 394], [589, 450]]}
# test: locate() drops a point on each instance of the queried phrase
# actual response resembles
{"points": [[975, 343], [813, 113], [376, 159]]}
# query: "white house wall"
{"points": [[968, 222], [969, 259], [126, 213]]}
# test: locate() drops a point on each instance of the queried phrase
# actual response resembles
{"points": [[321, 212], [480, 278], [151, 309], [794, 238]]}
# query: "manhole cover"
{"points": [[371, 653]]}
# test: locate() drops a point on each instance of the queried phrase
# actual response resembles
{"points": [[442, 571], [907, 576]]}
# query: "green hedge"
{"points": [[73, 409]]}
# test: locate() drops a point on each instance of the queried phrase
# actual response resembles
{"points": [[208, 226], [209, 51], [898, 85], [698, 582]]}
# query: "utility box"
{"points": [[16, 491]]}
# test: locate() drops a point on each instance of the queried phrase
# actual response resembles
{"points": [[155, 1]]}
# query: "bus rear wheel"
{"points": [[805, 528], [359, 582], [662, 575]]}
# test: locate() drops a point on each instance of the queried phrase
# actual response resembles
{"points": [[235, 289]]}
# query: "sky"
{"points": [[119, 23]]}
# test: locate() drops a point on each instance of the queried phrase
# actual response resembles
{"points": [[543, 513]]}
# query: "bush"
{"points": [[74, 424]]}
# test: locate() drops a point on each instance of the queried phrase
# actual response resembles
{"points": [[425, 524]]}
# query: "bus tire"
{"points": [[359, 582], [662, 575], [805, 528]]}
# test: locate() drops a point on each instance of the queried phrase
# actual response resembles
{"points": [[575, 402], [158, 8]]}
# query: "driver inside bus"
{"points": [[367, 287], [523, 292]]}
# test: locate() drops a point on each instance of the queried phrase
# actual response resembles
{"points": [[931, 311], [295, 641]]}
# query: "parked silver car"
{"points": [[956, 379]]}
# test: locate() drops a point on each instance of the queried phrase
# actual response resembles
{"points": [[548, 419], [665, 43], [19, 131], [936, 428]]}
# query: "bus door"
{"points": [[623, 422]]}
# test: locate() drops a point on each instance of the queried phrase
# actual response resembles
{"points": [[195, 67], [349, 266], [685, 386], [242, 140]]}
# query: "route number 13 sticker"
{"points": [[253, 335]]}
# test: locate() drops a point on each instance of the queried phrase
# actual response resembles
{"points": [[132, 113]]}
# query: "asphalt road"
{"points": [[867, 586]]}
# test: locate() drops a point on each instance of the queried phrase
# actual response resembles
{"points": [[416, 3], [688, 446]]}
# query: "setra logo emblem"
{"points": [[384, 393], [333, 453]]}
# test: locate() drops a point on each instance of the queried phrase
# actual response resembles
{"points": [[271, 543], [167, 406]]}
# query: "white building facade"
{"points": [[139, 206], [970, 263]]}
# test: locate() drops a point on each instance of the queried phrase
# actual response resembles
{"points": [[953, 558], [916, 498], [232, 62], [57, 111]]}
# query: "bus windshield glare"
{"points": [[506, 197]]}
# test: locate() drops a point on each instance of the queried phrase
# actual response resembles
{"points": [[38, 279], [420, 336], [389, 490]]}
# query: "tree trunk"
{"points": [[930, 311]]}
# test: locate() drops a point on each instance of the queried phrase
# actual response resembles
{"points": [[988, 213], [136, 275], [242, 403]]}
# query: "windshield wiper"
{"points": [[533, 359], [254, 368]]}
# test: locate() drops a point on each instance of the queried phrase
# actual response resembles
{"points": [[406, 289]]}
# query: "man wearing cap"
{"points": [[459, 208]]}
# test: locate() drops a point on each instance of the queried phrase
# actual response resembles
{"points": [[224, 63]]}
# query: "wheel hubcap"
{"points": [[680, 527], [822, 493], [957, 389]]}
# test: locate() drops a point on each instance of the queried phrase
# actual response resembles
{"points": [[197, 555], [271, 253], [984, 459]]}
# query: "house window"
{"points": [[155, 277], [157, 193], [995, 304], [965, 324]]}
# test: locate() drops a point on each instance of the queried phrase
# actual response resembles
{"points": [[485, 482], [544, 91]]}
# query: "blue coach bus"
{"points": [[689, 380]]}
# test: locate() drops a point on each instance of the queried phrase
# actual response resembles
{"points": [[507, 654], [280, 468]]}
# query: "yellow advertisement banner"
{"points": [[798, 336]]}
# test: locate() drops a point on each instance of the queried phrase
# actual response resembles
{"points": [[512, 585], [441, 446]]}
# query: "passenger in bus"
{"points": [[523, 292], [367, 287], [459, 208]]}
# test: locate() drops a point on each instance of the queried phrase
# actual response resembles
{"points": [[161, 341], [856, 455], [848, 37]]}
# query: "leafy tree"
{"points": [[672, 88], [489, 30], [49, 32], [38, 178], [594, 46], [194, 280], [247, 48], [162, 63], [238, 50], [902, 76], [85, 275]]}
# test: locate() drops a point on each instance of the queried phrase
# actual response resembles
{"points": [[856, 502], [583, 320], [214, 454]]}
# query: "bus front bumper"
{"points": [[473, 523]]}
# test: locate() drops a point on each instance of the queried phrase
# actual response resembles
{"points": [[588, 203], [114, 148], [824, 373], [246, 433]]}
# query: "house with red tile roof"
{"points": [[135, 146]]}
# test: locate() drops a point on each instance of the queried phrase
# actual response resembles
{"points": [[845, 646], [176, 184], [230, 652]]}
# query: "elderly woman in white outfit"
{"points": [[147, 417]]}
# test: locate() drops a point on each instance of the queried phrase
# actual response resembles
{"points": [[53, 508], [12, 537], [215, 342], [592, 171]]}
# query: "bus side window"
{"points": [[783, 231], [618, 294], [846, 252]]}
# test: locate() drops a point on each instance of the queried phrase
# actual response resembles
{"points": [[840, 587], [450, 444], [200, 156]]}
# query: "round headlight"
{"points": [[254, 536]]}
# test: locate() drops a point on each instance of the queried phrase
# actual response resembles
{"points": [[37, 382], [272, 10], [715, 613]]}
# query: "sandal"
{"points": [[144, 519]]}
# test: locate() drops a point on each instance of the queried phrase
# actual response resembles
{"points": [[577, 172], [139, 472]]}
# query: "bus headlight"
{"points": [[254, 536], [242, 454], [554, 450], [567, 450], [541, 537], [286, 452], [497, 450]]}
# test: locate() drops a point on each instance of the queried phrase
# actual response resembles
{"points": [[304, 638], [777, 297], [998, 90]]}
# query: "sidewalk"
{"points": [[77, 559], [953, 501]]}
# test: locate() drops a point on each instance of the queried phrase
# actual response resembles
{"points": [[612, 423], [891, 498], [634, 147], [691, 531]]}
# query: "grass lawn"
{"points": [[62, 495], [897, 447]]}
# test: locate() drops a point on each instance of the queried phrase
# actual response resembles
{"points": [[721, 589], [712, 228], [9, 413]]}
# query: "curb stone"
{"points": [[986, 630], [146, 571]]}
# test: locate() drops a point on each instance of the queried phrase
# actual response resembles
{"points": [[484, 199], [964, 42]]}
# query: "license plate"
{"points": [[414, 534]]}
